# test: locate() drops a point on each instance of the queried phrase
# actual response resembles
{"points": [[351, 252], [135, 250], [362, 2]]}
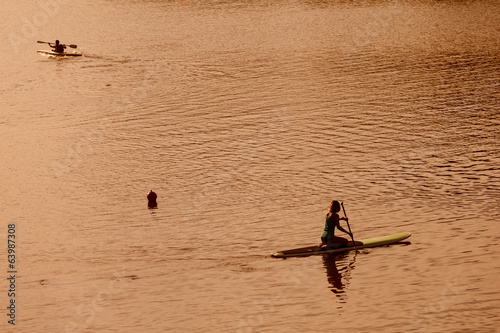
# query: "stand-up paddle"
{"points": [[73, 46], [352, 238]]}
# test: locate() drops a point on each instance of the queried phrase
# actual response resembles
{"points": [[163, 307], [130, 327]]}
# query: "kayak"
{"points": [[360, 244], [58, 54]]}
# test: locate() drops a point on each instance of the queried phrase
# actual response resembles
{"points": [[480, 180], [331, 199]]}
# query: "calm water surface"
{"points": [[248, 118]]}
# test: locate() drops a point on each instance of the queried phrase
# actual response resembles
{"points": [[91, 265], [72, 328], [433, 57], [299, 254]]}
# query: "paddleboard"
{"points": [[58, 54], [360, 244]]}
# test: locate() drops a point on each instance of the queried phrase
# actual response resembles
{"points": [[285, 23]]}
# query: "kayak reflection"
{"points": [[338, 272]]}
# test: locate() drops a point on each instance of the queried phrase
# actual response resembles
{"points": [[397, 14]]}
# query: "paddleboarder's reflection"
{"points": [[338, 277]]}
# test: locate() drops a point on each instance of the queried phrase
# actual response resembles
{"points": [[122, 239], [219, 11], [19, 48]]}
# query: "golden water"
{"points": [[247, 118]]}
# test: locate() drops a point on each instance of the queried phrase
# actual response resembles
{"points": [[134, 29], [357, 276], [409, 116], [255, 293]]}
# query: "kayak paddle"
{"points": [[73, 46], [352, 238]]}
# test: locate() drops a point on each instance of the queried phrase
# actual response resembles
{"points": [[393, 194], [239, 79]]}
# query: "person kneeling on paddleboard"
{"points": [[59, 48], [332, 220]]}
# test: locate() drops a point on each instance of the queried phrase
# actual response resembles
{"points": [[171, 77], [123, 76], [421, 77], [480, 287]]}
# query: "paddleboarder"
{"points": [[56, 47], [332, 221]]}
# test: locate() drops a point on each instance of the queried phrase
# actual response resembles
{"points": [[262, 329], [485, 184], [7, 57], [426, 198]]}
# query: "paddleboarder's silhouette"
{"points": [[332, 222]]}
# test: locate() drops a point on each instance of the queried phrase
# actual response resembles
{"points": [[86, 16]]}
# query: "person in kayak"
{"points": [[56, 47], [332, 220]]}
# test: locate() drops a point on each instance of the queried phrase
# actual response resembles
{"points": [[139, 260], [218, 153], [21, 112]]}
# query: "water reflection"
{"points": [[338, 272]]}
